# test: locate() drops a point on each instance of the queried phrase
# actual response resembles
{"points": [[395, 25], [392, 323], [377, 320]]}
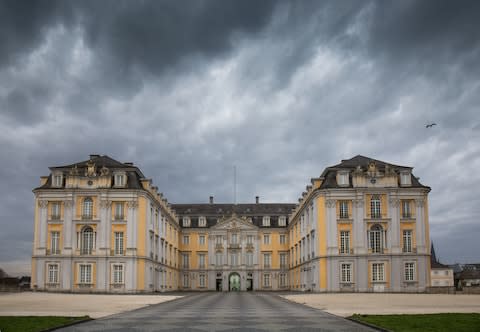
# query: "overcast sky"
{"points": [[188, 89]]}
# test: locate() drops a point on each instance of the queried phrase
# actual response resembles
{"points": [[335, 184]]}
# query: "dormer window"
{"points": [[282, 221], [405, 178], [202, 222], [57, 180], [343, 179], [186, 222], [120, 180], [266, 221]]}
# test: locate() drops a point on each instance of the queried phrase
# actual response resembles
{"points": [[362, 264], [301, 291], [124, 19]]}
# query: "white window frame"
{"points": [[249, 259], [344, 242], [376, 239], [57, 180], [343, 210], [53, 270], [219, 258], [186, 239], [250, 239], [282, 221], [202, 222], [406, 208], [409, 273], [85, 273], [87, 241], [283, 279], [55, 242], [267, 280], [234, 238], [405, 178], [266, 221], [186, 261], [186, 280], [201, 261], [55, 210], [343, 178], [266, 238], [282, 239], [375, 207], [118, 243], [118, 274], [378, 272], [407, 240], [186, 221], [234, 259], [267, 260], [283, 260], [201, 240], [87, 208], [346, 275], [119, 179], [202, 280], [119, 211]]}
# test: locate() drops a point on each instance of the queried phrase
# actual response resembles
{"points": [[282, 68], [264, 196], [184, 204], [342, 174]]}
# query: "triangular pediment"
{"points": [[235, 222]]}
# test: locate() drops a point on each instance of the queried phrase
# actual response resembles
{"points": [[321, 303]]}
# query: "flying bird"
{"points": [[430, 125]]}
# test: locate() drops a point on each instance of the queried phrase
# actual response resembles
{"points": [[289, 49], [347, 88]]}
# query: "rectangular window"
{"points": [[283, 280], [234, 259], [119, 215], [283, 260], [375, 207], [118, 243], [55, 210], [343, 209], [249, 239], [266, 221], [282, 221], [344, 242], [218, 240], [186, 222], [346, 273], [219, 259], [85, 273], [406, 211], [378, 272], [267, 260], [266, 239], [57, 180], [186, 261], [186, 281], [201, 261], [249, 258], [201, 280], [201, 240], [117, 273], [202, 222], [119, 180], [234, 238], [407, 241], [283, 239], [410, 271], [266, 280], [53, 274], [55, 243], [186, 239]]}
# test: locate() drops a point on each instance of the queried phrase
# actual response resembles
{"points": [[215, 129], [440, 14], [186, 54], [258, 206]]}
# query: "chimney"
{"points": [[257, 199], [211, 199]]}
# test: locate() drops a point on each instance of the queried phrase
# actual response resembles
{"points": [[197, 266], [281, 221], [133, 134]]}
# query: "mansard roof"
{"points": [[329, 174], [214, 212]]}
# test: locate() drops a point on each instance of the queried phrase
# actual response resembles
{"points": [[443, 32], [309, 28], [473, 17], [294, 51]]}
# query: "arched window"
{"points": [[87, 241], [376, 239], [375, 211], [87, 208]]}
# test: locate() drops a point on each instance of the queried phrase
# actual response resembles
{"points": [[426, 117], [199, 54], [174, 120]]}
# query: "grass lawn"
{"points": [[35, 323], [424, 323]]}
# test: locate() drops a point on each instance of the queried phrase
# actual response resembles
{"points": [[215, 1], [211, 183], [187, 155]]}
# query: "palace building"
{"points": [[101, 226]]}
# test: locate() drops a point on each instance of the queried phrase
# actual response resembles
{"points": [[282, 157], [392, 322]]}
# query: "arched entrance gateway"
{"points": [[234, 282]]}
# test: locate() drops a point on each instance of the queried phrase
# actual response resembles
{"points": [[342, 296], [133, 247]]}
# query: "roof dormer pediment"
{"points": [[234, 222]]}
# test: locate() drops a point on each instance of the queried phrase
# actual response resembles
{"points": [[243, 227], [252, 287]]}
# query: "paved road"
{"points": [[222, 312]]}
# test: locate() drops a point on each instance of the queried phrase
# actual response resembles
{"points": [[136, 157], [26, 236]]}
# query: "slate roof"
{"points": [[134, 174], [214, 211], [329, 174]]}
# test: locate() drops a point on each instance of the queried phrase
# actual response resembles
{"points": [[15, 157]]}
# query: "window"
{"points": [[118, 243], [218, 259], [119, 180], [342, 178], [283, 260], [186, 222], [283, 280], [375, 211], [234, 259], [85, 273], [202, 222], [376, 236], [267, 260], [282, 239], [249, 239], [234, 238], [249, 258], [378, 272], [57, 180], [53, 274], [186, 281], [406, 211], [343, 209], [55, 243], [346, 272], [344, 242], [86, 241], [55, 211], [218, 240], [266, 280], [410, 271], [405, 179], [407, 241], [266, 238], [87, 208], [266, 221], [185, 261], [117, 273], [201, 240], [201, 280], [186, 239], [201, 261], [119, 211], [282, 221]]}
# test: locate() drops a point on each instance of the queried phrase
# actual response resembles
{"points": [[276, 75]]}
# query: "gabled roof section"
{"points": [[100, 161], [329, 174], [234, 222]]}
